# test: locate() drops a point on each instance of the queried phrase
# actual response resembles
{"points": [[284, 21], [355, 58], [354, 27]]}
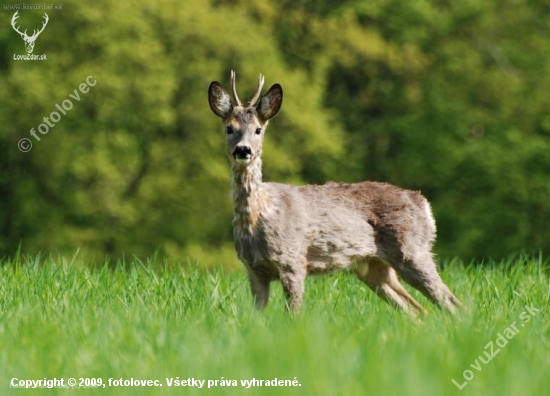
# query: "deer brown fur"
{"points": [[285, 232]]}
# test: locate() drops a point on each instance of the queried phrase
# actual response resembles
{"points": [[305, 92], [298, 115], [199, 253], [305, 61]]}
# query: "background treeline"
{"points": [[451, 98]]}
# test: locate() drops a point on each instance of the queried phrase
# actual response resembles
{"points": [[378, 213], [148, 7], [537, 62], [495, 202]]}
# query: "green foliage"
{"points": [[451, 99], [155, 320]]}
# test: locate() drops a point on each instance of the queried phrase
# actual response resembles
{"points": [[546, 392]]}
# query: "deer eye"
{"points": [[229, 130], [258, 131]]}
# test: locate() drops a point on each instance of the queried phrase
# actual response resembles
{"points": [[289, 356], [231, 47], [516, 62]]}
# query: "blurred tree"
{"points": [[139, 162], [448, 98]]}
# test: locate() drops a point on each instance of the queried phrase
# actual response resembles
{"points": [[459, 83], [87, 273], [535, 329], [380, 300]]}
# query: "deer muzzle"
{"points": [[242, 154]]}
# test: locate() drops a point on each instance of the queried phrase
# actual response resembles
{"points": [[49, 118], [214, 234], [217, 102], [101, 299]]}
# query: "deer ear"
{"points": [[219, 100], [271, 102]]}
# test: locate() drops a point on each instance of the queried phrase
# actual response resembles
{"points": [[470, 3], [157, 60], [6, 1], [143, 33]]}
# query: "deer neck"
{"points": [[249, 196]]}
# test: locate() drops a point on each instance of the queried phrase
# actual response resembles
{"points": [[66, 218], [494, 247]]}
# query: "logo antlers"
{"points": [[29, 41]]}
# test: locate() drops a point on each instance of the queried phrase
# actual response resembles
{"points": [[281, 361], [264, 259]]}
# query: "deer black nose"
{"points": [[242, 152]]}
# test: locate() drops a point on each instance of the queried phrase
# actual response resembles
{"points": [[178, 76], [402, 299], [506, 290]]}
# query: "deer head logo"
{"points": [[29, 40]]}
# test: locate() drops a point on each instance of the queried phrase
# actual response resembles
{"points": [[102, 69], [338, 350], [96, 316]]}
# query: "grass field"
{"points": [[161, 321]]}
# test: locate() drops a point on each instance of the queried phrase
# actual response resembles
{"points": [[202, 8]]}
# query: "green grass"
{"points": [[67, 319]]}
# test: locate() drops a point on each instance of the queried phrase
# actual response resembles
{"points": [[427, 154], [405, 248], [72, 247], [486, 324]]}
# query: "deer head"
{"points": [[244, 125], [29, 41]]}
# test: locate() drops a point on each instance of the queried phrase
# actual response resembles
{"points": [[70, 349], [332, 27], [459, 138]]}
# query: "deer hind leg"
{"points": [[382, 279], [421, 273]]}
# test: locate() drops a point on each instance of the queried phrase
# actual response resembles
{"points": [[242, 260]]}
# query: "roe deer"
{"points": [[286, 232]]}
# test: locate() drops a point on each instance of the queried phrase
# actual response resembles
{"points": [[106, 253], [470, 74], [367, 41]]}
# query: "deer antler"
{"points": [[24, 34], [258, 92], [35, 34], [15, 16], [237, 101]]}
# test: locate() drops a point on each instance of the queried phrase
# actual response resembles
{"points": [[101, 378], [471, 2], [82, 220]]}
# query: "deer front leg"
{"points": [[259, 285], [293, 282]]}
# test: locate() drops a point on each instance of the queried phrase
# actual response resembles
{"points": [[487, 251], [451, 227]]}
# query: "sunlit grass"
{"points": [[155, 320]]}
